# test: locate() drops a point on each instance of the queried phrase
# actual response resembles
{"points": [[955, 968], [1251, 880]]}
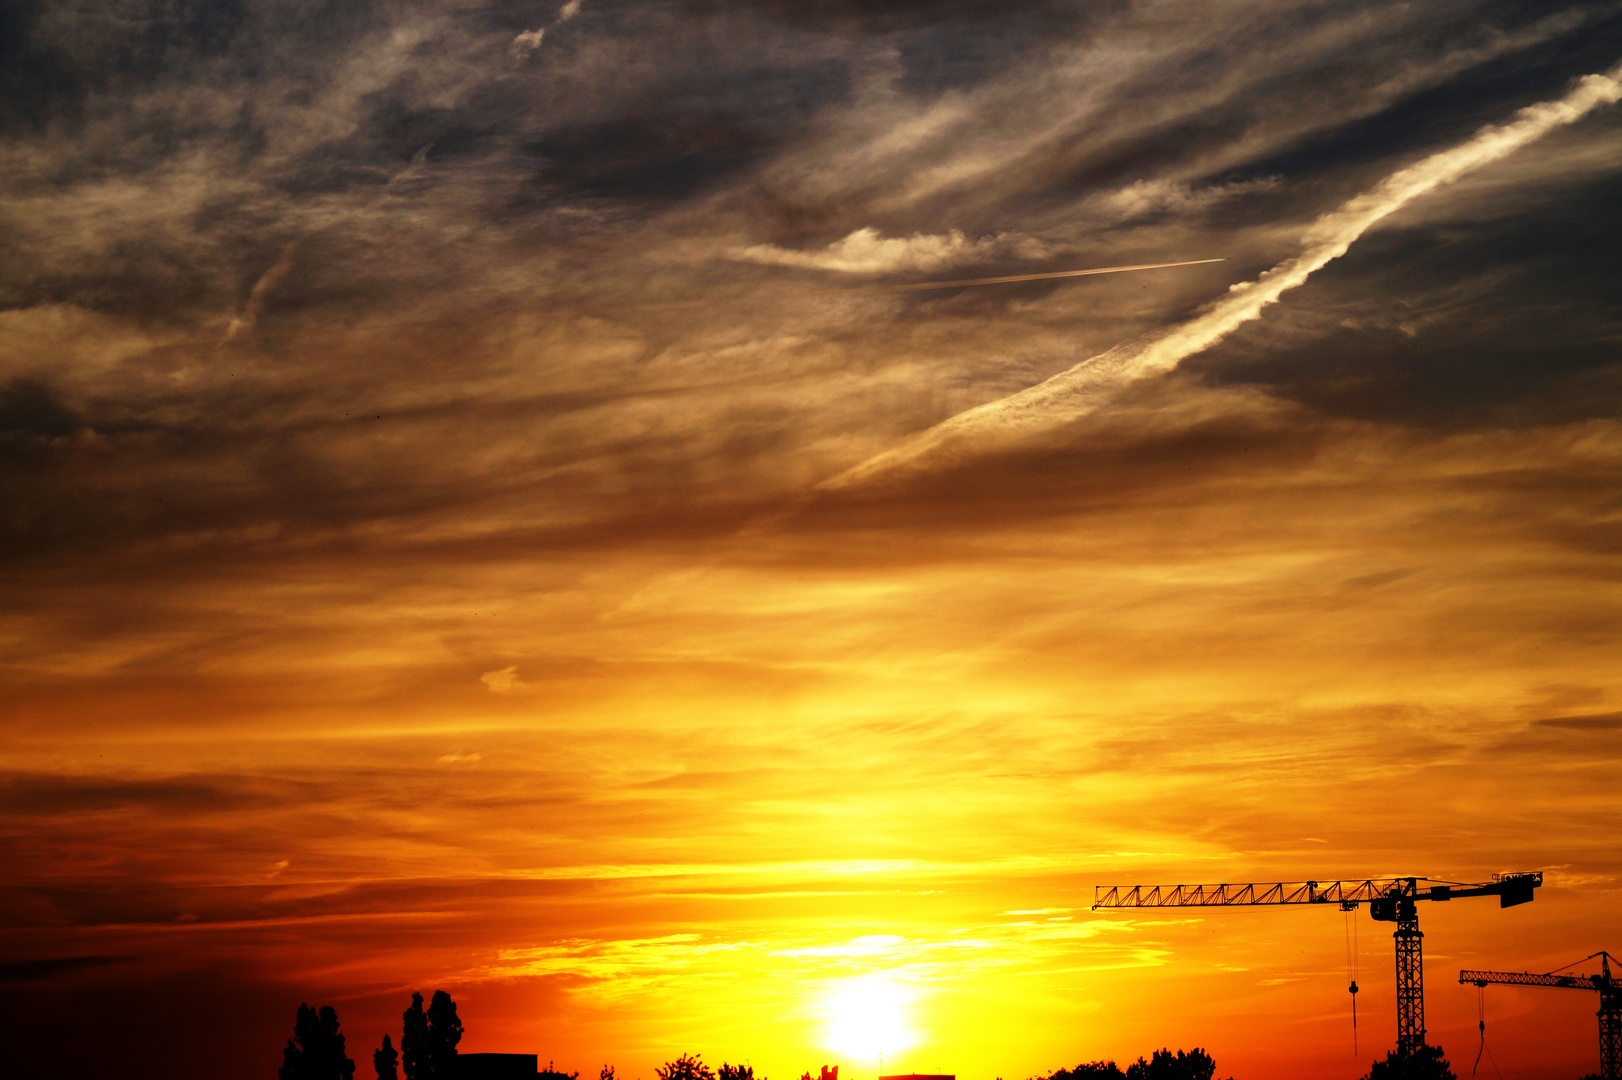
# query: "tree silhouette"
{"points": [[316, 1050], [444, 1032], [737, 1072], [606, 1073], [386, 1061], [1091, 1070], [1087, 1071], [686, 1067], [1164, 1065], [428, 1039], [552, 1072], [1426, 1063], [414, 1042], [1195, 1064]]}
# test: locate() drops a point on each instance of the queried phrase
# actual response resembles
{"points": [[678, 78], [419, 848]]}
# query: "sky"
{"points": [[483, 508]]}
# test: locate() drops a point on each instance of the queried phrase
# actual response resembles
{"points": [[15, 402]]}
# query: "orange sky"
{"points": [[426, 566]]}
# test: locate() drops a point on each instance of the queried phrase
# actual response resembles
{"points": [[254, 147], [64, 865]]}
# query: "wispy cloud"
{"points": [[1083, 386], [866, 252], [526, 43], [504, 681]]}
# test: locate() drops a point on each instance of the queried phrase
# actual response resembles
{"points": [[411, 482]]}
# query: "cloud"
{"points": [[525, 44], [261, 288], [45, 794], [17, 971], [1596, 722], [569, 10], [1081, 387], [1147, 198], [504, 681], [866, 252]]}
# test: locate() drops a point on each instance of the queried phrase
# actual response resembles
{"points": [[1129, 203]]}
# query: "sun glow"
{"points": [[868, 1016]]}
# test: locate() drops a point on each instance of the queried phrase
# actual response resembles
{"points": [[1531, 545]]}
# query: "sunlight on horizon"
{"points": [[868, 1016]]}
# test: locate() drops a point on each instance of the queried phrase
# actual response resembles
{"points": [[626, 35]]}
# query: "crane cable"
{"points": [[1351, 966], [1574, 963], [1481, 1026]]}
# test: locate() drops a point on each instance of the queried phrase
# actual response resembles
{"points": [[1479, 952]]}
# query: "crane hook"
{"points": [[1352, 989]]}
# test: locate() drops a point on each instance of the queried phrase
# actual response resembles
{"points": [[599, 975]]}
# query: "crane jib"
{"points": [[1610, 1001], [1527, 978], [1389, 900], [1382, 894]]}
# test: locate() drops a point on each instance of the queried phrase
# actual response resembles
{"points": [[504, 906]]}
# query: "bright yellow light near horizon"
{"points": [[867, 1017]]}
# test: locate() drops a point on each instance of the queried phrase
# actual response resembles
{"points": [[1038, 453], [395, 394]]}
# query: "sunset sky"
{"points": [[478, 513]]}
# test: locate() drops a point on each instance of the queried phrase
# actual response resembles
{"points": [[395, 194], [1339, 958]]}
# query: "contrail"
{"points": [[869, 290], [256, 299], [1031, 277], [1085, 386]]}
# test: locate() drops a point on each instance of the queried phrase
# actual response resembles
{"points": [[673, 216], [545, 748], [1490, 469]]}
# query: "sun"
{"points": [[868, 1016]]}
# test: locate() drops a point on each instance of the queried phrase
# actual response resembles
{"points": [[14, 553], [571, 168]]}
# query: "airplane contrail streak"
{"points": [[1035, 277], [256, 298], [1085, 386], [869, 290]]}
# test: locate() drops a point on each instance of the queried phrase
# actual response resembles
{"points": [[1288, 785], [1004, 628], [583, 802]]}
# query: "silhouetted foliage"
{"points": [[551, 1073], [1196, 1064], [444, 1032], [736, 1072], [428, 1039], [686, 1067], [414, 1041], [1164, 1065], [1426, 1063], [606, 1073], [316, 1050], [1091, 1070], [386, 1061]]}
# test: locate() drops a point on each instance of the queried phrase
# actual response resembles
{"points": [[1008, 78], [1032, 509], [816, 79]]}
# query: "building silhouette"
{"points": [[497, 1066]]}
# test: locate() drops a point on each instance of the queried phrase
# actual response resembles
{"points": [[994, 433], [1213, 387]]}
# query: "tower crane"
{"points": [[1389, 900], [1610, 1002]]}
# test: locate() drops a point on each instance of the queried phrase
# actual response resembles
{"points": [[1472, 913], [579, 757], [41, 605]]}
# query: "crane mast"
{"points": [[1610, 1002], [1389, 900]]}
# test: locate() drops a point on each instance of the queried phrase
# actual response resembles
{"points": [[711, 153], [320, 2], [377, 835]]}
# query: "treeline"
{"points": [[1426, 1063], [1196, 1064], [427, 1051], [429, 1037]]}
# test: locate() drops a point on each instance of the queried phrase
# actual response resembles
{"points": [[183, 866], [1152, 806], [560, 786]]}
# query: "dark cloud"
{"points": [[131, 1024], [27, 971], [1581, 39], [876, 16], [38, 80], [30, 411], [655, 157], [1452, 323], [68, 795], [1593, 722]]}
